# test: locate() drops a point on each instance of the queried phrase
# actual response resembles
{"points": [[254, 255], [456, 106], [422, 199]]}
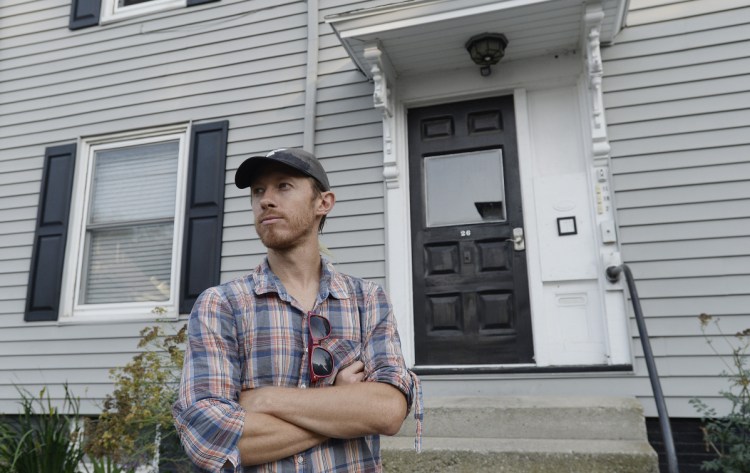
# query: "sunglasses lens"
{"points": [[319, 327], [322, 362]]}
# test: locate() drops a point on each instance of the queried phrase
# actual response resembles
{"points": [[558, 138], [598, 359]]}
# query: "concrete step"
{"points": [[525, 434], [472, 455], [532, 417]]}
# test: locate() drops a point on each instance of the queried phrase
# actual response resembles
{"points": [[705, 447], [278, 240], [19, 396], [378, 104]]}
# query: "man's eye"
{"points": [[284, 185], [257, 191]]}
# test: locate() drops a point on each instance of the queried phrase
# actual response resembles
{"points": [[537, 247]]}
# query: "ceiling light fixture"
{"points": [[486, 50]]}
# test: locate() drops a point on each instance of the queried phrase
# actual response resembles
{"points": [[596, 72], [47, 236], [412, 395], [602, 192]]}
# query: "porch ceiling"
{"points": [[423, 36]]}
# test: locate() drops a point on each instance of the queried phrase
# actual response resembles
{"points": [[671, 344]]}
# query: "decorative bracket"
{"points": [[382, 97], [593, 21]]}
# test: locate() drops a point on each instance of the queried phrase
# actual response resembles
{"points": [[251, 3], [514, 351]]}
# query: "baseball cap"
{"points": [[296, 158]]}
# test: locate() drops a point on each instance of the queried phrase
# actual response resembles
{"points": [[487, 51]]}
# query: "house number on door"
{"points": [[465, 233]]}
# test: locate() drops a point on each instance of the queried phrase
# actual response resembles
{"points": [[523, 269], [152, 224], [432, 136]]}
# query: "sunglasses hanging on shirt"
{"points": [[321, 360]]}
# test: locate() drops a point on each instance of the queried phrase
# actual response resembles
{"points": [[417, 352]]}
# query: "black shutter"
{"points": [[201, 254], [45, 277], [191, 3], [84, 13]]}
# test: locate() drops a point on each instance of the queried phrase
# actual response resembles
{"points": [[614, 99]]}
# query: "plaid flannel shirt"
{"points": [[249, 333]]}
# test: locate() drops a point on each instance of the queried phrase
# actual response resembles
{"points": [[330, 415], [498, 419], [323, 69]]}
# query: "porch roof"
{"points": [[423, 36]]}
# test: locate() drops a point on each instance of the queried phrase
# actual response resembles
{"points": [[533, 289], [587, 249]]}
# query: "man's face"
{"points": [[284, 207]]}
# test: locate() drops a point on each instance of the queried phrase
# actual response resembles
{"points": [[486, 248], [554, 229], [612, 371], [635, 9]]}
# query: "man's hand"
{"points": [[352, 374], [249, 399]]}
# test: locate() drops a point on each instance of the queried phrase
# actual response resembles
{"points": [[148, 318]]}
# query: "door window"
{"points": [[464, 188]]}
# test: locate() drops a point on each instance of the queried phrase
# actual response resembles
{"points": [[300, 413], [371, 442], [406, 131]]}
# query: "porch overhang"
{"points": [[423, 36]]}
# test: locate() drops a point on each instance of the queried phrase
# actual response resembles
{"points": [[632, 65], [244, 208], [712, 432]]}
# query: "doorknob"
{"points": [[518, 240]]}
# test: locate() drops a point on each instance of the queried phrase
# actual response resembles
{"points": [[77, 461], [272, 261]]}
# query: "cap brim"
{"points": [[244, 175]]}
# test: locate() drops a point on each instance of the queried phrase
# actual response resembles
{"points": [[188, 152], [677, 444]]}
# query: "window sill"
{"points": [[118, 316]]}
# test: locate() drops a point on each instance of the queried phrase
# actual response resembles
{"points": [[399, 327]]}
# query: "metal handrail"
{"points": [[613, 275]]}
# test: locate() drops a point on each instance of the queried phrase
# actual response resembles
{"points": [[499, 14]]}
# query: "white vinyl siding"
{"points": [[241, 61], [677, 98]]}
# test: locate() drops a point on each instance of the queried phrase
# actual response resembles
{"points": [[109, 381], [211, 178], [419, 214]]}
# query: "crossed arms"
{"points": [[280, 422], [219, 424]]}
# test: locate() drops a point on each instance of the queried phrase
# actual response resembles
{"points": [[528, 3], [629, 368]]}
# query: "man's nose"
{"points": [[267, 200]]}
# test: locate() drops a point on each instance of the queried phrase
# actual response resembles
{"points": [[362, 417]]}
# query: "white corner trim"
{"points": [[311, 80], [397, 209], [383, 98], [593, 21], [601, 192]]}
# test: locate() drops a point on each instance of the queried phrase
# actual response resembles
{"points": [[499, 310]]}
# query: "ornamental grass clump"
{"points": [[42, 438], [135, 428], [728, 436]]}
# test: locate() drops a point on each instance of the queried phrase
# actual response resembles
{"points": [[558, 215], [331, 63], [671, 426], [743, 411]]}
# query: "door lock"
{"points": [[518, 240]]}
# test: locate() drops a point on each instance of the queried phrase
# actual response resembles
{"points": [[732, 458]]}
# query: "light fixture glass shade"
{"points": [[487, 49]]}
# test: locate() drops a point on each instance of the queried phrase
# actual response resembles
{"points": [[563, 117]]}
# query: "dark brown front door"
{"points": [[471, 297]]}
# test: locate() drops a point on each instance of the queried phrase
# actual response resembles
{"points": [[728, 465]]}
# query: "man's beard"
{"points": [[297, 229]]}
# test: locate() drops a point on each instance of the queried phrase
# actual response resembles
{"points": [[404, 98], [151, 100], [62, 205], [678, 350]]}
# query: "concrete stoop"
{"points": [[525, 434]]}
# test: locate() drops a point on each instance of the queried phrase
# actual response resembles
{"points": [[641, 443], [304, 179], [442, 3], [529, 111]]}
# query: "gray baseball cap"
{"points": [[296, 158]]}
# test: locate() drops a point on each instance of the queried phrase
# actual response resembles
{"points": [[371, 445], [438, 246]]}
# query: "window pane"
{"points": [[130, 230], [134, 183], [131, 264], [464, 188]]}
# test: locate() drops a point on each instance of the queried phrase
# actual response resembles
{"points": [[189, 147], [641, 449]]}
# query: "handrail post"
{"points": [[613, 275]]}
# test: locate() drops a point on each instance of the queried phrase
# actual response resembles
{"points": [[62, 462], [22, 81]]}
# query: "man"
{"points": [[256, 344]]}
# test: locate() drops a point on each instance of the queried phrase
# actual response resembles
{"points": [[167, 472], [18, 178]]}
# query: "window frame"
{"points": [[72, 311], [110, 12]]}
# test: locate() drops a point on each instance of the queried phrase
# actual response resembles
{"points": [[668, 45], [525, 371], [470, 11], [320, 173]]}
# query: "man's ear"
{"points": [[327, 201]]}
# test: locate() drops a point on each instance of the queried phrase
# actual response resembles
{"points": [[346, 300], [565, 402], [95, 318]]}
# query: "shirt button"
{"points": [[300, 459]]}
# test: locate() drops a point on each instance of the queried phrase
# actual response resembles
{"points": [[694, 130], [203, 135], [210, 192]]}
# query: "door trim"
{"points": [[393, 97], [398, 223]]}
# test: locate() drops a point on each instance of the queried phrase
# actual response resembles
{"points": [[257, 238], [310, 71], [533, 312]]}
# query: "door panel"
{"points": [[470, 285]]}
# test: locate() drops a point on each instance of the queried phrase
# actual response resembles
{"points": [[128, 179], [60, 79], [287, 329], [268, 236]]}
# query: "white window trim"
{"points": [[71, 311], [111, 12]]}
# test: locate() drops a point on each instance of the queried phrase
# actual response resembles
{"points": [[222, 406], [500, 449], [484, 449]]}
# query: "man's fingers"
{"points": [[353, 373], [356, 367]]}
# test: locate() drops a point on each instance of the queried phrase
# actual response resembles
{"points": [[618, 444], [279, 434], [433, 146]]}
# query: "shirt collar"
{"points": [[331, 281]]}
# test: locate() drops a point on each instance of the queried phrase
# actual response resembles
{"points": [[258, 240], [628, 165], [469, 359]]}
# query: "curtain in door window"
{"points": [[130, 224]]}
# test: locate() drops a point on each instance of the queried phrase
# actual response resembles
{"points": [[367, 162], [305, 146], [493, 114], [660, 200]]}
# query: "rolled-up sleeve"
{"points": [[381, 351], [207, 416]]}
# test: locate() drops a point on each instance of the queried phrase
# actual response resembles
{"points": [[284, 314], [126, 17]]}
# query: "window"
{"points": [[464, 188], [88, 13], [126, 226], [113, 10]]}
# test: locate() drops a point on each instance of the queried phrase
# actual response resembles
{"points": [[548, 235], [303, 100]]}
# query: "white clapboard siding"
{"points": [[677, 98], [241, 61]]}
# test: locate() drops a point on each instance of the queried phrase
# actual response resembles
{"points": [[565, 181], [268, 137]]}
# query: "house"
{"points": [[489, 202]]}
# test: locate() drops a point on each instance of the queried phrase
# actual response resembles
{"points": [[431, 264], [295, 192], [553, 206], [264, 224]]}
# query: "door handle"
{"points": [[519, 243]]}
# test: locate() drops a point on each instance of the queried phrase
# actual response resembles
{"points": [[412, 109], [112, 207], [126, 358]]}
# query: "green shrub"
{"points": [[42, 439], [106, 465], [136, 426], [729, 436]]}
